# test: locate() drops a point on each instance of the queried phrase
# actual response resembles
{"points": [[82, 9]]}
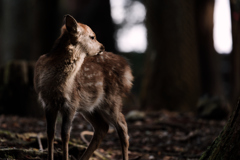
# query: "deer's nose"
{"points": [[102, 48]]}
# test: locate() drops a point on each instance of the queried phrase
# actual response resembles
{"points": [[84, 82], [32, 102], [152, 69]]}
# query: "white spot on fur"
{"points": [[99, 84], [90, 76], [102, 58], [88, 84], [86, 69], [96, 73]]}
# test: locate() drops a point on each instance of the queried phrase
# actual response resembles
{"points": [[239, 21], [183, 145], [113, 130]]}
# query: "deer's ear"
{"points": [[71, 24]]}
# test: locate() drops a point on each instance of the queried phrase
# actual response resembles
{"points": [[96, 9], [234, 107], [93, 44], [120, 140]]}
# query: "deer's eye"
{"points": [[92, 37]]}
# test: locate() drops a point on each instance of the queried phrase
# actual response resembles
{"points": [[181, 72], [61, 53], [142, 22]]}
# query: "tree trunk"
{"points": [[172, 69], [209, 60], [235, 55], [1, 31], [226, 146], [15, 30], [17, 95], [47, 22], [28, 28]]}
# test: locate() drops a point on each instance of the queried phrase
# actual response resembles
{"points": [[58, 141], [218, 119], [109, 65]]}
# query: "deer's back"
{"points": [[103, 78], [115, 71]]}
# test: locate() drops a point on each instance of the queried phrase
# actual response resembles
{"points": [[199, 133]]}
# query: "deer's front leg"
{"points": [[51, 116], [67, 118]]}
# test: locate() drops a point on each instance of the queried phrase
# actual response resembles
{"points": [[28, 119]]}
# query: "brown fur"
{"points": [[78, 75]]}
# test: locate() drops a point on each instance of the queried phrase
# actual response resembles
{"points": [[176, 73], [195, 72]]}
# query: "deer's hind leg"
{"points": [[116, 118], [122, 130], [100, 127]]}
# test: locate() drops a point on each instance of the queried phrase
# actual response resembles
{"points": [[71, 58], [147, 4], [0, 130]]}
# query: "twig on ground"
{"points": [[82, 135], [39, 142], [96, 153]]}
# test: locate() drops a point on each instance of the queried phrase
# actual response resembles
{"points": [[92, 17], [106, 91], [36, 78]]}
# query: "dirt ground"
{"points": [[159, 135]]}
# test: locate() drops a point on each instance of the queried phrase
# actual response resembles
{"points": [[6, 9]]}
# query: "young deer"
{"points": [[78, 75]]}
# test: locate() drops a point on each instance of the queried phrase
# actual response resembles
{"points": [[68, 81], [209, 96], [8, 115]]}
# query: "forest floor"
{"points": [[159, 135]]}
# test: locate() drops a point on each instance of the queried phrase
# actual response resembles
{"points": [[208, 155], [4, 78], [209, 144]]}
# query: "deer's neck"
{"points": [[72, 67]]}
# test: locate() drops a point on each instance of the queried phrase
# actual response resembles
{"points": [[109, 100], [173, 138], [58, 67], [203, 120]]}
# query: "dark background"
{"points": [[179, 71]]}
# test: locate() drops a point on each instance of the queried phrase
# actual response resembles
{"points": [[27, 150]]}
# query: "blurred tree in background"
{"points": [[46, 21], [28, 28], [182, 64], [15, 25], [172, 69], [235, 55], [209, 59]]}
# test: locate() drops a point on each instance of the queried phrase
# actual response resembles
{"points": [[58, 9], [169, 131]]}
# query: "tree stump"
{"points": [[17, 95], [226, 146]]}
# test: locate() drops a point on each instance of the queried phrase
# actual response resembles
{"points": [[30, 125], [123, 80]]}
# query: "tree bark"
{"points": [[235, 55], [211, 80], [28, 28], [172, 69], [15, 30], [46, 26], [1, 31], [226, 146], [17, 95]]}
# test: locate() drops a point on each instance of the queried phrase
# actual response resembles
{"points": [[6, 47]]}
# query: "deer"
{"points": [[78, 75]]}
